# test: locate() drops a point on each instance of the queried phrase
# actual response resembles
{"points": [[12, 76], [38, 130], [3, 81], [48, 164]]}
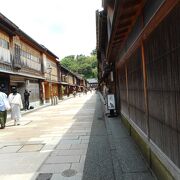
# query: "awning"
{"points": [[21, 74]]}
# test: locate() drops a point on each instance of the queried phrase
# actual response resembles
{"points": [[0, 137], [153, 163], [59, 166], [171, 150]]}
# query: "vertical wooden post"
{"points": [[43, 92], [127, 93], [145, 89], [145, 83], [127, 88], [116, 88], [115, 85]]}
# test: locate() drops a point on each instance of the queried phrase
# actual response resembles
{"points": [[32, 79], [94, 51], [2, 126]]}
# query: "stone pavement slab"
{"points": [[63, 146], [78, 176], [67, 141], [31, 147], [63, 159], [75, 142], [10, 148], [128, 161], [24, 148], [69, 152], [104, 152], [88, 155], [54, 168], [79, 146]]}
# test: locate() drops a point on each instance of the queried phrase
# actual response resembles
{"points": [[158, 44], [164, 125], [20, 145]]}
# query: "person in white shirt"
{"points": [[16, 105], [3, 111]]}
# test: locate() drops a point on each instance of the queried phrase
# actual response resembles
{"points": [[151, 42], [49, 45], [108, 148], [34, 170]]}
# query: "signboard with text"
{"points": [[110, 101]]}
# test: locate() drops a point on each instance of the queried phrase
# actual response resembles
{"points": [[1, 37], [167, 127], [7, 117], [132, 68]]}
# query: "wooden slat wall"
{"points": [[162, 50], [123, 91], [133, 106], [136, 90], [162, 57]]}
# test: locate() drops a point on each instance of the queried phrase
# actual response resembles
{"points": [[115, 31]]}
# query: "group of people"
{"points": [[13, 102]]}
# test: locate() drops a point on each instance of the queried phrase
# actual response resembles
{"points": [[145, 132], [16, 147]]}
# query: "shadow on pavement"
{"points": [[98, 161], [86, 144]]}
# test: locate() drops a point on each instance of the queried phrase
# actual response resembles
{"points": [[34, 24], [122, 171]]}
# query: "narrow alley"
{"points": [[72, 140]]}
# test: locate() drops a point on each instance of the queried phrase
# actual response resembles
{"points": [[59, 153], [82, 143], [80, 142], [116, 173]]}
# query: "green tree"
{"points": [[86, 66], [68, 61], [93, 52]]}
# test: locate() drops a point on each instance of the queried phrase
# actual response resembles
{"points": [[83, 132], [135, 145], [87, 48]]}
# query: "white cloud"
{"points": [[65, 27]]}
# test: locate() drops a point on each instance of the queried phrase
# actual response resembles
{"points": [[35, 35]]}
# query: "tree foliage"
{"points": [[86, 66]]}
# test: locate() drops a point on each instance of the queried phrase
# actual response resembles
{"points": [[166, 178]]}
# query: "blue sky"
{"points": [[65, 27]]}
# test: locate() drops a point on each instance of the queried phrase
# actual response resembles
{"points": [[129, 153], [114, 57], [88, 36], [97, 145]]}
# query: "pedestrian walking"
{"points": [[26, 99], [79, 90], [16, 105], [4, 106], [74, 93]]}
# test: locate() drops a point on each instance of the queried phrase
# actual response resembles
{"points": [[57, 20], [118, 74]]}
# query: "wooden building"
{"points": [[24, 64], [70, 82], [138, 50], [20, 62], [51, 74], [81, 84], [93, 83], [64, 85]]}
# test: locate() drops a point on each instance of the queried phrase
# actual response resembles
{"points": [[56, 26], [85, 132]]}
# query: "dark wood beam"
{"points": [[163, 11], [127, 14], [125, 23], [130, 4], [121, 30]]}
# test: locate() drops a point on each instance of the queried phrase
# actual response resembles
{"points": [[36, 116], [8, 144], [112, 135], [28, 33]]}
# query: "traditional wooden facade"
{"points": [[24, 63], [81, 84], [27, 62], [21, 61], [70, 82], [64, 86], [93, 83], [138, 57], [51, 74]]}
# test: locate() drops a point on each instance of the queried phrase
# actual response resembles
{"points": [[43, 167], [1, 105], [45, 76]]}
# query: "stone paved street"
{"points": [[70, 141]]}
